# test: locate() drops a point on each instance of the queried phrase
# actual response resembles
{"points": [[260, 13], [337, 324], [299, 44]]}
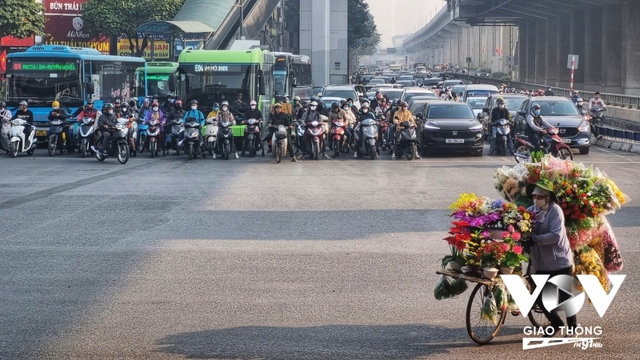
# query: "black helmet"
{"points": [[535, 107], [90, 101], [194, 102], [304, 103], [216, 104], [335, 106], [343, 102], [124, 106], [2, 105]]}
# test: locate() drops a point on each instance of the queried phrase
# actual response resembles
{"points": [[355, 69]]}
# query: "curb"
{"points": [[618, 145]]}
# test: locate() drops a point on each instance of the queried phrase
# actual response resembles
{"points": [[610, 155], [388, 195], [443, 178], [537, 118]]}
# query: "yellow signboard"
{"points": [[160, 52]]}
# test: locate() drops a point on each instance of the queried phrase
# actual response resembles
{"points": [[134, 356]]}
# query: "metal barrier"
{"points": [[621, 100]]}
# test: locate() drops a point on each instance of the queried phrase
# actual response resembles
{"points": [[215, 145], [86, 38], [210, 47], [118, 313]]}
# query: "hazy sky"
{"points": [[398, 17]]}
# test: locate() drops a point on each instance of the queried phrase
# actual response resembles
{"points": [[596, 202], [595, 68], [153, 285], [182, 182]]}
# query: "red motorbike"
{"points": [[551, 143], [315, 138], [153, 136], [383, 125], [338, 129]]}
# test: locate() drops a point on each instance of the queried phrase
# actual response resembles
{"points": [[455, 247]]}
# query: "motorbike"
{"points": [[338, 129], [597, 117], [172, 140], [299, 134], [384, 128], [279, 143], [315, 136], [153, 136], [252, 138], [118, 144], [18, 143], [56, 137], [191, 141], [367, 145], [85, 134], [224, 139], [210, 134], [551, 143], [502, 131], [143, 127], [408, 141], [132, 136]]}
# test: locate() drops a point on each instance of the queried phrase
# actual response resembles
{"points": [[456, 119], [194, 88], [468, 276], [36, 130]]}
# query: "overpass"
{"points": [[605, 34]]}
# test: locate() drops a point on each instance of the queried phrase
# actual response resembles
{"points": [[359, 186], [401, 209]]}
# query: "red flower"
{"points": [[516, 236], [517, 249]]}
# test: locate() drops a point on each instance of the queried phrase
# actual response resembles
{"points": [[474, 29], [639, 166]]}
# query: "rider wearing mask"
{"points": [[401, 116], [5, 126], [362, 115], [535, 129], [253, 113], [351, 121], [25, 114], [277, 118], [214, 111], [157, 114], [312, 114], [575, 96], [296, 106], [338, 114], [146, 106], [226, 115], [194, 113], [499, 112], [105, 122], [58, 113], [125, 113], [176, 114], [551, 253]]}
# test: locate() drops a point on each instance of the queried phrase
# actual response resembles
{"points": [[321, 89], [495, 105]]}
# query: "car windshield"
{"points": [[477, 103], [417, 106], [449, 112], [343, 94], [557, 108], [408, 95], [513, 103], [392, 93], [480, 93]]}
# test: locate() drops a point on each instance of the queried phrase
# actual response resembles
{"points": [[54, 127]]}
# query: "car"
{"points": [[450, 126], [406, 83], [479, 90], [422, 98], [482, 72], [377, 81], [391, 93], [459, 89], [477, 104], [418, 105], [335, 93], [562, 113], [512, 101], [404, 77], [411, 92], [317, 90], [366, 77]]}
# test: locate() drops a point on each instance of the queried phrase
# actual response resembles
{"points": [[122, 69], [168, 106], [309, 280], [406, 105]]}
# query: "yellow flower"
{"points": [[526, 216]]}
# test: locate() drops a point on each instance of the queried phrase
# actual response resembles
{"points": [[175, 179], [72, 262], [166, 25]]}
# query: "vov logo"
{"points": [[553, 289]]}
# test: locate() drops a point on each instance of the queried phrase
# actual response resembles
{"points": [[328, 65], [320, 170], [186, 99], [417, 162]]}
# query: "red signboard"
{"points": [[66, 27], [11, 41], [63, 6], [3, 61]]}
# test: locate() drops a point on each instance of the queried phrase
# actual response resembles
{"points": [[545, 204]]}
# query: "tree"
{"points": [[363, 33], [21, 19], [122, 18]]}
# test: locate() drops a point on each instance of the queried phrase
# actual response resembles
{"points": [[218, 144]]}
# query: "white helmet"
{"points": [[253, 102], [314, 103], [297, 98], [225, 103]]}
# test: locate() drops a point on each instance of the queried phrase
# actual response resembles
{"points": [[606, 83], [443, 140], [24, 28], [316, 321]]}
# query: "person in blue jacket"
{"points": [[196, 114]]}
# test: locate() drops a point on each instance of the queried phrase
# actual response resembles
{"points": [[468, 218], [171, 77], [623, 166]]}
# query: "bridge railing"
{"points": [[622, 100]]}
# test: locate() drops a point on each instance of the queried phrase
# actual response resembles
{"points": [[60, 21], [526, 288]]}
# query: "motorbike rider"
{"points": [[549, 92], [499, 112], [580, 105], [296, 106], [167, 107], [253, 113], [226, 115], [176, 114], [146, 106], [86, 111], [376, 102], [596, 102], [126, 113], [286, 106], [105, 123], [338, 114], [535, 129], [58, 113], [278, 117], [304, 106], [196, 114], [117, 103], [399, 117], [133, 105], [362, 115], [214, 111], [157, 114], [575, 96], [25, 114], [5, 127], [312, 114]]}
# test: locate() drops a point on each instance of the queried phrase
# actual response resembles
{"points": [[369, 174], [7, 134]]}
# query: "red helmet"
{"points": [[155, 103], [178, 102]]}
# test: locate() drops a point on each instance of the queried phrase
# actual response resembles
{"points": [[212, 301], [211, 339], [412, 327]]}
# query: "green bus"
{"points": [[237, 76], [158, 79]]}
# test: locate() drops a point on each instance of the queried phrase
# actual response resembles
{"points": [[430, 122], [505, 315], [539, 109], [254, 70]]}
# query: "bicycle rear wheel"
{"points": [[481, 330], [536, 315]]}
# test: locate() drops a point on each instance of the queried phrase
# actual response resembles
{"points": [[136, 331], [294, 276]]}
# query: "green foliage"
{"points": [[21, 19], [122, 18], [362, 30]]}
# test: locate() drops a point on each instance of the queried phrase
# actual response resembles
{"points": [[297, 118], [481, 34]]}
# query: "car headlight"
{"points": [[584, 126], [429, 126]]}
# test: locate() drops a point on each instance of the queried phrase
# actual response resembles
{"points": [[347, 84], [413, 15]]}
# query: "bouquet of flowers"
{"points": [[588, 262]]}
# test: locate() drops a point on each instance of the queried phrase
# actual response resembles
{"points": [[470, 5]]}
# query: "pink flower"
{"points": [[515, 236], [505, 247], [505, 234], [510, 229], [517, 249]]}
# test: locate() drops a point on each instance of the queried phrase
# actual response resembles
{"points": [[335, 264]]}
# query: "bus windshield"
{"points": [[157, 84], [279, 80], [40, 82], [209, 83]]}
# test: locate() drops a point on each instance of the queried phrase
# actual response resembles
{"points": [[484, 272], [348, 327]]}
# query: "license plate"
{"points": [[455, 141], [41, 133], [566, 141]]}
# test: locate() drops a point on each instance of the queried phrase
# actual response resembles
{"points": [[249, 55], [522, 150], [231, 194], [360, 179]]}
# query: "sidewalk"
{"points": [[619, 126]]}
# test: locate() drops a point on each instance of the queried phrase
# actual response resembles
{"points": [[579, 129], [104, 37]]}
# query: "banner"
{"points": [[160, 51], [65, 26]]}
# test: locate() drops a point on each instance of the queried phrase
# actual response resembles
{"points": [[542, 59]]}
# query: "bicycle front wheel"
{"points": [[482, 331]]}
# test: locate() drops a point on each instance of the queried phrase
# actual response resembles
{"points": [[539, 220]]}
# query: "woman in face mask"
{"points": [[550, 250]]}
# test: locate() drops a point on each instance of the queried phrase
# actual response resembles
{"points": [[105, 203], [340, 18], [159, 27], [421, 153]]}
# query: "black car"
{"points": [[512, 101], [562, 113], [450, 126]]}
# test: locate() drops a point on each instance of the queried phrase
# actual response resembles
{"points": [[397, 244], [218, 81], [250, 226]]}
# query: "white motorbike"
{"points": [[279, 143], [85, 134], [210, 135], [18, 143]]}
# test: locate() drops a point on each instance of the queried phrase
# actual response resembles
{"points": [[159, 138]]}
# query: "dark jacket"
{"points": [[176, 114], [279, 119], [25, 115], [310, 116], [253, 114], [497, 114], [86, 112], [106, 119], [60, 114]]}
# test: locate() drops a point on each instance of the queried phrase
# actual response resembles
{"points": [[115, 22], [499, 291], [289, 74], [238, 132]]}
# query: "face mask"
{"points": [[110, 112], [501, 106], [345, 108], [224, 108], [537, 112], [215, 108], [171, 101], [253, 107], [155, 109], [194, 108], [365, 110], [579, 103], [313, 107], [178, 107], [540, 203], [350, 104]]}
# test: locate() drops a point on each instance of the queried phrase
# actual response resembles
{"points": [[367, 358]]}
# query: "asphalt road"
{"points": [[248, 259]]}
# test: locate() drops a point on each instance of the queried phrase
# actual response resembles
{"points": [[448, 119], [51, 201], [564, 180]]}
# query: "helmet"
{"points": [[155, 103], [579, 101], [398, 102], [178, 103], [313, 98], [146, 100], [253, 102], [535, 107], [365, 105], [335, 106], [314, 103], [277, 105], [118, 101], [2, 104], [304, 103], [23, 103], [297, 98], [194, 102], [132, 103], [343, 102], [403, 103], [90, 102], [108, 106], [55, 104], [225, 103], [216, 104]]}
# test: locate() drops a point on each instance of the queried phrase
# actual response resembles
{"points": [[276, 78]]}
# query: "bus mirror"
{"points": [[89, 87], [295, 82], [261, 85], [172, 86]]}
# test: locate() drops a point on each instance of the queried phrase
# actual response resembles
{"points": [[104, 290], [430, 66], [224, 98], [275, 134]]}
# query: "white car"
{"points": [[335, 93]]}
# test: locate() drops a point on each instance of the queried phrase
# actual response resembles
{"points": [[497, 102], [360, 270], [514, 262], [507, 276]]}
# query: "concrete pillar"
{"points": [[631, 48], [564, 43], [531, 35], [314, 37], [552, 51], [593, 49], [612, 49], [577, 44], [522, 52], [541, 51]]}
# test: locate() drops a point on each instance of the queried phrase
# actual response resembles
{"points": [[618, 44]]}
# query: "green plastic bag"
{"points": [[448, 287], [500, 294], [489, 309]]}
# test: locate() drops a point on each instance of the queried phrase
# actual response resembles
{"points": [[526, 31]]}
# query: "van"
{"points": [[479, 90]]}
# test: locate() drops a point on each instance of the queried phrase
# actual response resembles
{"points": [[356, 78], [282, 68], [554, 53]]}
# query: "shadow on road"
{"points": [[322, 342]]}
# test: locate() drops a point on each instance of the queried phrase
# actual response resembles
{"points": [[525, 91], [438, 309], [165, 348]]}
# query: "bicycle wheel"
{"points": [[481, 330], [536, 315]]}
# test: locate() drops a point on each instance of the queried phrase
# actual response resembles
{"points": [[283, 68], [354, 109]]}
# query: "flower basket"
{"points": [[455, 266], [490, 273], [506, 269]]}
